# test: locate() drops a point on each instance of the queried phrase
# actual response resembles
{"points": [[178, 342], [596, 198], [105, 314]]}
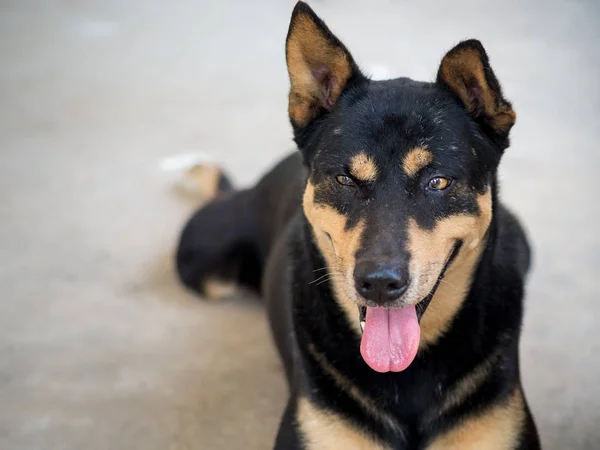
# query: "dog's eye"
{"points": [[438, 183], [344, 180]]}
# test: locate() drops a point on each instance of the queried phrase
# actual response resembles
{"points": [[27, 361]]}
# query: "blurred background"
{"points": [[101, 348]]}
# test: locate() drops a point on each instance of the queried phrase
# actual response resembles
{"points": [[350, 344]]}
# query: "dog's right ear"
{"points": [[320, 68], [466, 72]]}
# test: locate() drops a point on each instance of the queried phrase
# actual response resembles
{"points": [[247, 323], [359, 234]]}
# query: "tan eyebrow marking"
{"points": [[362, 167], [415, 160]]}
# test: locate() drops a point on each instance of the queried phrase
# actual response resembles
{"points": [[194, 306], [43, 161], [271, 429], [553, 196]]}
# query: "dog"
{"points": [[392, 275]]}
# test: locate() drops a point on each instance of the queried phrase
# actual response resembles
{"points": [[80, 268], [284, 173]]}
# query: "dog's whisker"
{"points": [[448, 283], [328, 277], [318, 279]]}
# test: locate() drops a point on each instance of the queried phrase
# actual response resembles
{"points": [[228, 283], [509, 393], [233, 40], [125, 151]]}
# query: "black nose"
{"points": [[381, 282]]}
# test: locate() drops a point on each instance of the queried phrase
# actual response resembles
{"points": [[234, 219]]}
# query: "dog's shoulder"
{"points": [[512, 247]]}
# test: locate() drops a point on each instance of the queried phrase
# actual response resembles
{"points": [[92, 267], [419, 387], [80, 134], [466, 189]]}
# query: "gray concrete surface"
{"points": [[100, 348]]}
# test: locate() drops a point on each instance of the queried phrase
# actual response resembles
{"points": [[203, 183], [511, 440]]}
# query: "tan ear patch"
{"points": [[416, 160], [463, 71], [497, 428], [324, 430], [427, 246], [338, 246], [363, 168], [318, 69]]}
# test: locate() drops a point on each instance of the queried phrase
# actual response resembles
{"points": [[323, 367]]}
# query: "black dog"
{"points": [[392, 275]]}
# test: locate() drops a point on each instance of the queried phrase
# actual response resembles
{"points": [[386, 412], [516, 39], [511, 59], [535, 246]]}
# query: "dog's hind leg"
{"points": [[218, 248], [206, 182]]}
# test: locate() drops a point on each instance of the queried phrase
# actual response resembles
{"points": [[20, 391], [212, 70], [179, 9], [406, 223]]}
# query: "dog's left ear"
{"points": [[466, 71], [319, 65]]}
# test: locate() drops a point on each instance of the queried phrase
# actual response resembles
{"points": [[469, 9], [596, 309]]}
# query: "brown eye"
{"points": [[344, 180], [438, 183]]}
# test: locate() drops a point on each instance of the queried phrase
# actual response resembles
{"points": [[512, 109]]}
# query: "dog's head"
{"points": [[401, 172]]}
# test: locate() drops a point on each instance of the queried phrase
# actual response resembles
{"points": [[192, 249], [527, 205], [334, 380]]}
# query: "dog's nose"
{"points": [[381, 282]]}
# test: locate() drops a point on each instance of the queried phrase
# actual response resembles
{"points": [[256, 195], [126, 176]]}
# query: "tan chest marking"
{"points": [[469, 384], [323, 430], [497, 428], [352, 390]]}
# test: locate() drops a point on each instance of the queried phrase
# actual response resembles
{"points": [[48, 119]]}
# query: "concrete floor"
{"points": [[100, 348]]}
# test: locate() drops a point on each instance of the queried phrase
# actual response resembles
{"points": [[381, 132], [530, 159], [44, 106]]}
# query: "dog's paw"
{"points": [[217, 289], [198, 175], [202, 180]]}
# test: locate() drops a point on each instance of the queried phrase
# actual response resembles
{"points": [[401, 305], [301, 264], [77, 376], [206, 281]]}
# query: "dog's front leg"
{"points": [[287, 436]]}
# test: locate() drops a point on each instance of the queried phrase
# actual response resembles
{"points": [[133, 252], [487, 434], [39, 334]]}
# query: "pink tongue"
{"points": [[391, 338]]}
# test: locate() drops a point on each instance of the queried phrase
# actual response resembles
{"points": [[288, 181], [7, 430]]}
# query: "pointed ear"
{"points": [[318, 64], [466, 71]]}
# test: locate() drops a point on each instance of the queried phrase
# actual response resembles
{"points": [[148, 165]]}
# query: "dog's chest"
{"points": [[324, 430]]}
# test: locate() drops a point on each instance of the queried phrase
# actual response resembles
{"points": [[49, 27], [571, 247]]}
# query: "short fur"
{"points": [[361, 190]]}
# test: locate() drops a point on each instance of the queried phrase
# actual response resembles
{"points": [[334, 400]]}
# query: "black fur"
{"points": [[263, 234]]}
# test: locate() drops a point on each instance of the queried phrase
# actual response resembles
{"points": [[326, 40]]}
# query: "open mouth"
{"points": [[391, 336], [423, 304]]}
